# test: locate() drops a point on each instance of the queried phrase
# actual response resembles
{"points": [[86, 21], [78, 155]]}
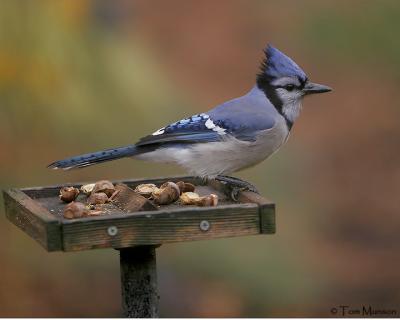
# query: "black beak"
{"points": [[311, 88]]}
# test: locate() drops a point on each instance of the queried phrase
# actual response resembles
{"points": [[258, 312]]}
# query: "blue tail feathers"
{"points": [[89, 159]]}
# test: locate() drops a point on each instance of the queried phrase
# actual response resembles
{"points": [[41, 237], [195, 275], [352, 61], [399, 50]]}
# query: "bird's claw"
{"points": [[236, 186], [237, 190]]}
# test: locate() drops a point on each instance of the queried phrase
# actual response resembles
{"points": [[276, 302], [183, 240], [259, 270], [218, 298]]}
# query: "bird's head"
{"points": [[285, 83]]}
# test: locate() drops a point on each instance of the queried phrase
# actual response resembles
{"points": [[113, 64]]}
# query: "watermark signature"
{"points": [[362, 311]]}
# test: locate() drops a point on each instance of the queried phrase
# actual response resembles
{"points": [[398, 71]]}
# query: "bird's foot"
{"points": [[236, 185]]}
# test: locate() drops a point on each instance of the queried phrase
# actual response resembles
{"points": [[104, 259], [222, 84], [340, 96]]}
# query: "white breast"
{"points": [[215, 158]]}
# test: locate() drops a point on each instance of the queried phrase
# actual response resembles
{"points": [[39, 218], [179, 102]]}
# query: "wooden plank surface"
{"points": [[161, 227], [30, 208], [33, 219], [267, 210]]}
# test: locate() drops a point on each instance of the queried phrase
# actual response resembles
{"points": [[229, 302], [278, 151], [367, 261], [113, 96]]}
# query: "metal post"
{"points": [[139, 282]]}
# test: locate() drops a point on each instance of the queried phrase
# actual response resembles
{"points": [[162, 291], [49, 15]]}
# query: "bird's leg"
{"points": [[236, 185]]}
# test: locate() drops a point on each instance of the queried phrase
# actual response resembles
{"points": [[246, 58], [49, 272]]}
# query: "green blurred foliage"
{"points": [[78, 76], [362, 36]]}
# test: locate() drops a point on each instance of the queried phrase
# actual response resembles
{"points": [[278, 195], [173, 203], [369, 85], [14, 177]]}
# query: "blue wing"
{"points": [[241, 118], [194, 129]]}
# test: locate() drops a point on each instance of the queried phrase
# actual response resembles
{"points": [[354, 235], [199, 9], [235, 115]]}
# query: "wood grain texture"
{"points": [[267, 210], [130, 201], [160, 227], [139, 282], [30, 208], [267, 219], [33, 219]]}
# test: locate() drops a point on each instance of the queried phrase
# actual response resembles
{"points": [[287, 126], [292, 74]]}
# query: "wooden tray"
{"points": [[38, 212]]}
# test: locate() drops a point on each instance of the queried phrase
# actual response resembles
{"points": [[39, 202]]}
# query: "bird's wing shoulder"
{"points": [[197, 128], [242, 118], [247, 116]]}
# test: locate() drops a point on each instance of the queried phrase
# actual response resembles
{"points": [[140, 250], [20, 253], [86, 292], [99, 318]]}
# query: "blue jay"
{"points": [[234, 135]]}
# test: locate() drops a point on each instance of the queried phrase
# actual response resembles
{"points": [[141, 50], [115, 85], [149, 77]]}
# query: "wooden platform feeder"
{"points": [[38, 212]]}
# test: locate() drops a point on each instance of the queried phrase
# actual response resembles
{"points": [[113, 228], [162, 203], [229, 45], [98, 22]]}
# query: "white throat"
{"points": [[292, 110], [291, 103]]}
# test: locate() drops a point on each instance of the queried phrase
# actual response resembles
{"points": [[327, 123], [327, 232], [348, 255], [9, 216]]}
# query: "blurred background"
{"points": [[80, 76]]}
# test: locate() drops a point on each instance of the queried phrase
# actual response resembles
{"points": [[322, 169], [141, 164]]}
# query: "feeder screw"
{"points": [[112, 231], [204, 225]]}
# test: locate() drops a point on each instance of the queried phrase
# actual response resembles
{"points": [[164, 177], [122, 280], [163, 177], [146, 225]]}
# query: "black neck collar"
{"points": [[270, 92]]}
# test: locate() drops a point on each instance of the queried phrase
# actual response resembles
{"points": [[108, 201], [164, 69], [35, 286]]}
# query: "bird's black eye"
{"points": [[289, 87]]}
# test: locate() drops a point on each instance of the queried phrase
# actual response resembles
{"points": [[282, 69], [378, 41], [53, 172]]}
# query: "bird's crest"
{"points": [[276, 65]]}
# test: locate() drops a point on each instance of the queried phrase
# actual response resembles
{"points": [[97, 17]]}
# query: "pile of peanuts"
{"points": [[97, 194], [170, 192], [102, 192]]}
